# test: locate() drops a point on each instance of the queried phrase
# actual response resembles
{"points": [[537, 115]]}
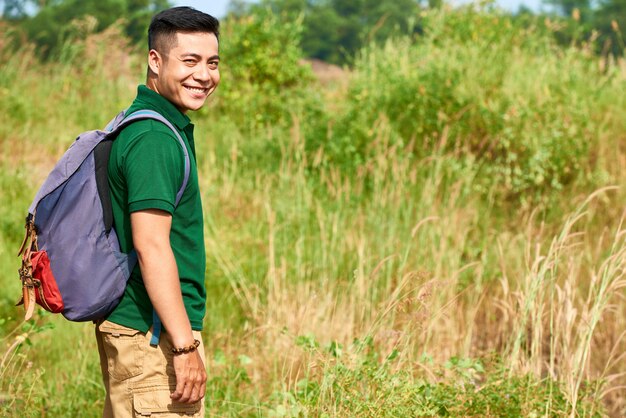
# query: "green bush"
{"points": [[263, 79], [358, 381], [57, 22], [485, 87]]}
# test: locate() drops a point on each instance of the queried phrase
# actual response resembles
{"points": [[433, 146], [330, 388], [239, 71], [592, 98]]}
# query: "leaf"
{"points": [[335, 349], [307, 342], [393, 355], [244, 360], [219, 358]]}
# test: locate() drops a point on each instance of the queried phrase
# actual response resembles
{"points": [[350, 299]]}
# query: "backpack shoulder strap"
{"points": [[151, 114]]}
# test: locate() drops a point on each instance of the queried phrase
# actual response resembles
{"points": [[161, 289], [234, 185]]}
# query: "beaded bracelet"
{"points": [[184, 350]]}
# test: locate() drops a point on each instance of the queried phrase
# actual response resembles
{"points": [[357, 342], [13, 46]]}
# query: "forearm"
{"points": [[160, 276], [151, 230]]}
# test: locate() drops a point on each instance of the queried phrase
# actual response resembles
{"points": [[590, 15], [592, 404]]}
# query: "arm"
{"points": [[151, 230]]}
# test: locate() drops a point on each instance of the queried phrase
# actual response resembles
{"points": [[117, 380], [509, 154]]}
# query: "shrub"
{"points": [[482, 86], [263, 80], [358, 381]]}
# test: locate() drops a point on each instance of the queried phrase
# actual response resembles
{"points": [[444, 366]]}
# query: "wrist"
{"points": [[181, 339], [186, 349]]}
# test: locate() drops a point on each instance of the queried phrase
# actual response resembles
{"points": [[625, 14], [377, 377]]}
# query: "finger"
{"points": [[180, 387], [201, 384], [195, 394], [198, 387], [203, 388], [186, 394]]}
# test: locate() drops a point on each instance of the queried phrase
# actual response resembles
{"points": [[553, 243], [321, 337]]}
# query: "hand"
{"points": [[190, 378]]}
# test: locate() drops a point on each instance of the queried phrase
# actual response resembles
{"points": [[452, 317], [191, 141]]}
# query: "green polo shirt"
{"points": [[146, 171]]}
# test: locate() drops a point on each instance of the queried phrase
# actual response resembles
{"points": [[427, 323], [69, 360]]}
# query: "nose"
{"points": [[202, 74]]}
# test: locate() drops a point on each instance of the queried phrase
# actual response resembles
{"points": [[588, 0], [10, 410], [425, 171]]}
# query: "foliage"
{"points": [[610, 20], [15, 9], [567, 7], [484, 86], [363, 383], [334, 30], [604, 20], [264, 81], [61, 21], [368, 264]]}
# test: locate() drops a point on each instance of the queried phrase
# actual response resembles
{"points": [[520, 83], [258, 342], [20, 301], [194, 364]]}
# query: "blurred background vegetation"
{"points": [[411, 209], [332, 30]]}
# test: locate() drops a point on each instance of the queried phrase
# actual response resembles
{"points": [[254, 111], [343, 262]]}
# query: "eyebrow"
{"points": [[198, 57]]}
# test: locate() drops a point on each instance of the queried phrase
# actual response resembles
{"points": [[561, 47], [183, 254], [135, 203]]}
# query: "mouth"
{"points": [[198, 91]]}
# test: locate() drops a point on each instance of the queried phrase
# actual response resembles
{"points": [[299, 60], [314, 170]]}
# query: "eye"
{"points": [[189, 61], [213, 64]]}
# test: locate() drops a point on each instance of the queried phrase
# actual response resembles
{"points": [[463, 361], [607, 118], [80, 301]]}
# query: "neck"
{"points": [[151, 83]]}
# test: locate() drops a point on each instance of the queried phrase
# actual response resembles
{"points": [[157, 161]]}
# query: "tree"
{"points": [[335, 29], [606, 17], [610, 20], [567, 7], [15, 9], [55, 20], [140, 13]]}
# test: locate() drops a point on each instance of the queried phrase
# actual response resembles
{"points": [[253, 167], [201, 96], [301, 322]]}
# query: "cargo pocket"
{"points": [[123, 348], [155, 401]]}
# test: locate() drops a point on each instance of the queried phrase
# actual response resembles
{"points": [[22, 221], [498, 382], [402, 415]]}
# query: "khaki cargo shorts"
{"points": [[138, 377]]}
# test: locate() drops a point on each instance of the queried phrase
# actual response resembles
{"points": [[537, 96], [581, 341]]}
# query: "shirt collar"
{"points": [[159, 103]]}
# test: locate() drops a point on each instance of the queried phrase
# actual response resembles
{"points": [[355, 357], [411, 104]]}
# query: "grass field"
{"points": [[437, 232]]}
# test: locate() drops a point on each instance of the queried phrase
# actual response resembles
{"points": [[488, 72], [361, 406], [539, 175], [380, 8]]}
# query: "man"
{"points": [[146, 170]]}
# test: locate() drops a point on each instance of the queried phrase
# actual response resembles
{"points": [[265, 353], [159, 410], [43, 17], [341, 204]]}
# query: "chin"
{"points": [[184, 107], [194, 108]]}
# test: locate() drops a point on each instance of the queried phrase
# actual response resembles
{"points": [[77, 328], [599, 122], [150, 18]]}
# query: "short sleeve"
{"points": [[153, 167]]}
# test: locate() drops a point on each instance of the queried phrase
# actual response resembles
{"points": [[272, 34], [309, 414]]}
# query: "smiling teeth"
{"points": [[195, 89]]}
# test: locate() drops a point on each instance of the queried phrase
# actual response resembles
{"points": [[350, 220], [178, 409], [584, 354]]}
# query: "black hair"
{"points": [[165, 25]]}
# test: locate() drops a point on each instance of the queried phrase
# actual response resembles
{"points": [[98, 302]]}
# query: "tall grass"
{"points": [[378, 249], [418, 281], [531, 113]]}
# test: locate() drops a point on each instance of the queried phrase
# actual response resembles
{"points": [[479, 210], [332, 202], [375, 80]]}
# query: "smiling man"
{"points": [[146, 173]]}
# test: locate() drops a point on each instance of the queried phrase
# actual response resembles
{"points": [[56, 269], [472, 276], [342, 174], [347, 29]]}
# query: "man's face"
{"points": [[188, 73]]}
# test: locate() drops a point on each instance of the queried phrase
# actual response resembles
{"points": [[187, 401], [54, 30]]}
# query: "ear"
{"points": [[154, 61]]}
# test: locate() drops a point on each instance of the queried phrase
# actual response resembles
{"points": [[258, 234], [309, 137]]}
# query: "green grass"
{"points": [[422, 238]]}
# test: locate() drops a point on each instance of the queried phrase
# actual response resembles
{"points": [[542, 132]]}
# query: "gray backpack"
{"points": [[71, 258]]}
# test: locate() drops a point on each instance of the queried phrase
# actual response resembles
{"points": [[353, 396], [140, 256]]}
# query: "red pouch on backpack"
{"points": [[47, 294]]}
